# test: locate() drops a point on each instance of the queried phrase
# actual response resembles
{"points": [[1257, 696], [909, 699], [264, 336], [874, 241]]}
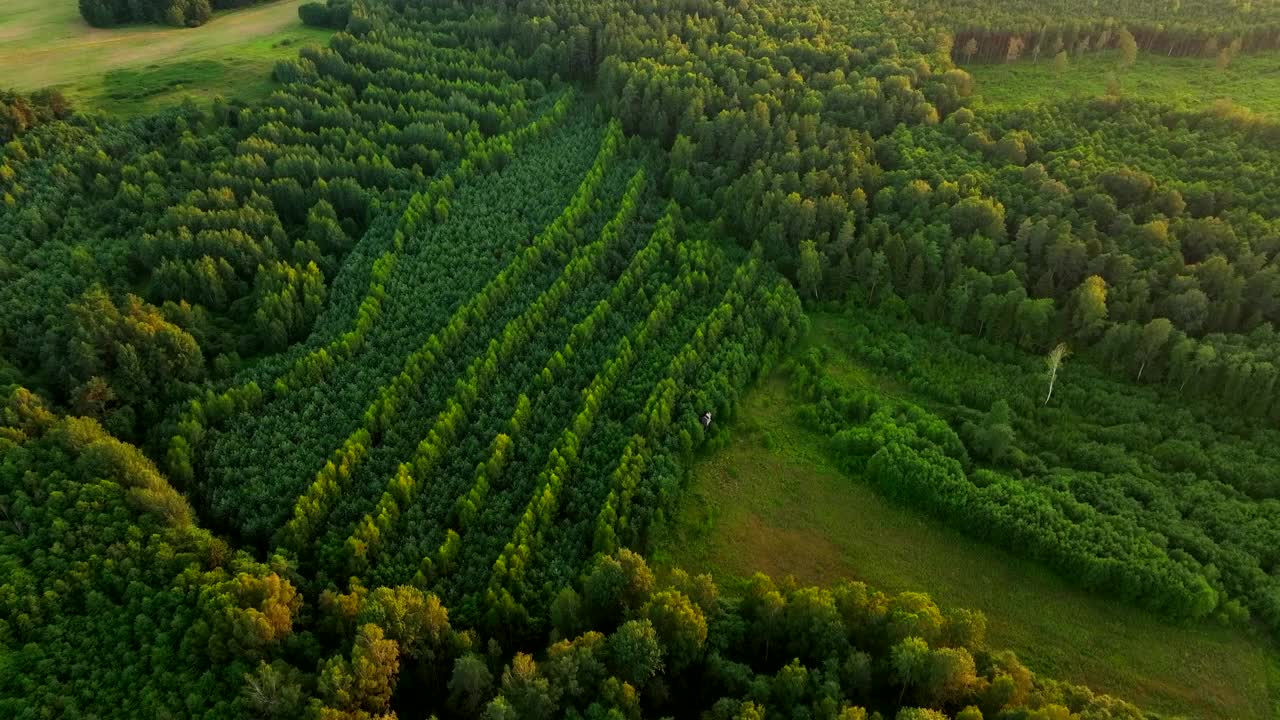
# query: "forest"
{"points": [[1162, 504], [1006, 29], [19, 113], [368, 399], [178, 13]]}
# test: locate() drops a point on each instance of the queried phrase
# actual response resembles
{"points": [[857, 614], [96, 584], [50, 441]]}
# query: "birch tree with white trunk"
{"points": [[1054, 361]]}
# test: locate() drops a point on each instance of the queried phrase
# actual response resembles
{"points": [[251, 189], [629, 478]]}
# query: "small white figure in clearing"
{"points": [[706, 419]]}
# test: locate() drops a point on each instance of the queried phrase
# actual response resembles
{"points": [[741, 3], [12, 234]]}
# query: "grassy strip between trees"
{"points": [[135, 70], [774, 502], [1249, 80]]}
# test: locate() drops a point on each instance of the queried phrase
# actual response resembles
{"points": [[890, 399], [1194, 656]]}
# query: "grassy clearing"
{"points": [[141, 68], [1252, 81], [771, 501]]}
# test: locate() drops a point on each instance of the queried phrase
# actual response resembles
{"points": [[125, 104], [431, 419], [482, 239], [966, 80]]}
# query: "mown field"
{"points": [[1250, 80], [773, 500], [134, 70]]}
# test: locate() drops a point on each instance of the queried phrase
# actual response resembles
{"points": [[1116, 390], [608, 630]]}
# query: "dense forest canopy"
{"points": [[19, 113], [393, 375], [999, 29]]}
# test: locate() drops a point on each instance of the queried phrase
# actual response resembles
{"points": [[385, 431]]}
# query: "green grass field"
{"points": [[1251, 81], [136, 69], [773, 502]]}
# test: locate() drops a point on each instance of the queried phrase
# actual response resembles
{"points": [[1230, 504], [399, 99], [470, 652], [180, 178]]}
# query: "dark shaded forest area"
{"points": [[178, 13]]}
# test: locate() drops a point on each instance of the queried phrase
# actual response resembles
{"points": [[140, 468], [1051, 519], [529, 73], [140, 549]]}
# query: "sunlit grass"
{"points": [[140, 68], [1252, 81]]}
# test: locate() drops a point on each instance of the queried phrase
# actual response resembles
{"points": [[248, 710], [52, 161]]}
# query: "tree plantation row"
{"points": [[424, 450], [364, 400], [228, 229], [378, 309], [117, 604], [1090, 222], [1127, 221]]}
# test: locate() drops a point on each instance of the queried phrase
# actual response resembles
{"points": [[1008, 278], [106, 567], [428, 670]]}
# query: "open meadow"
{"points": [[136, 69], [1250, 80]]}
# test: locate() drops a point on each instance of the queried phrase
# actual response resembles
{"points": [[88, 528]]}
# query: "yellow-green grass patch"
{"points": [[1251, 81], [140, 68]]}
